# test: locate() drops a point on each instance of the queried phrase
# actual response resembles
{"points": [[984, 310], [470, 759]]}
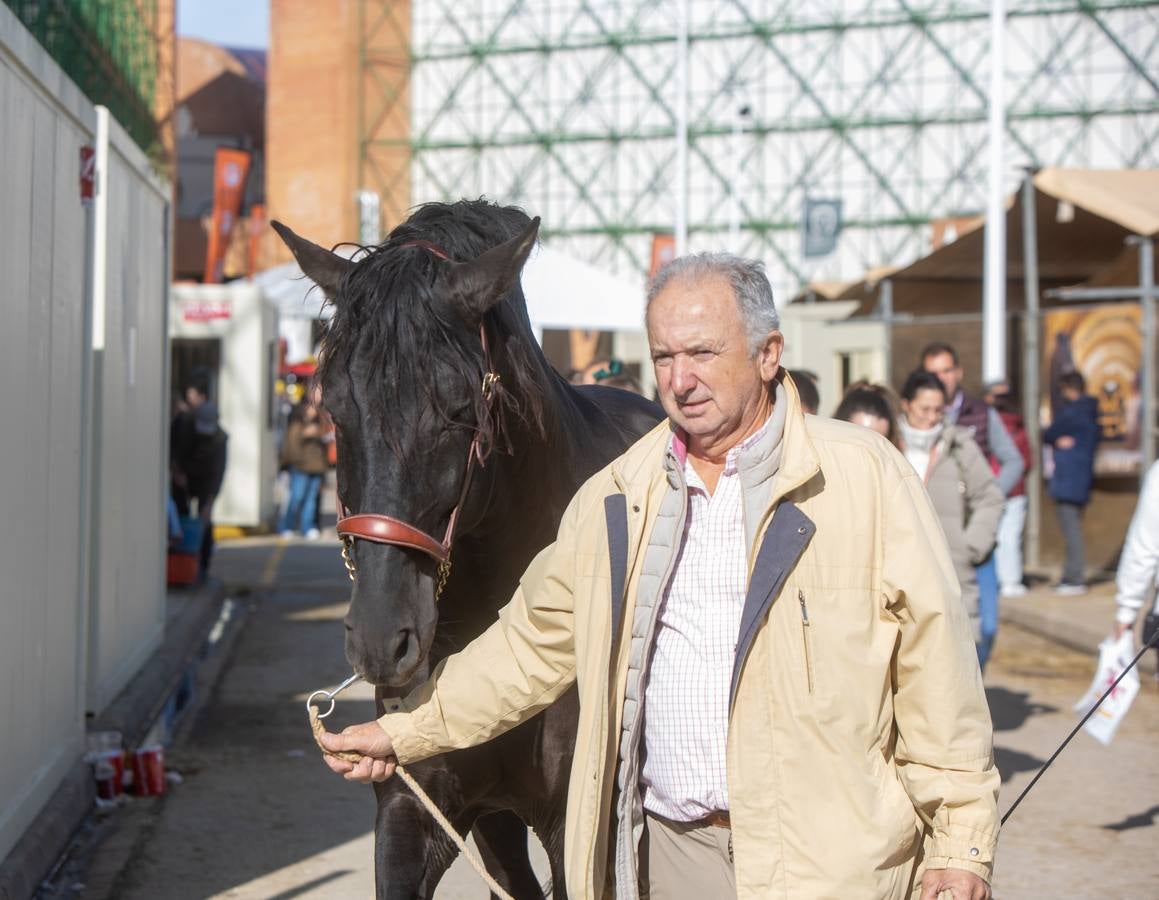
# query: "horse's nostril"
{"points": [[402, 645]]}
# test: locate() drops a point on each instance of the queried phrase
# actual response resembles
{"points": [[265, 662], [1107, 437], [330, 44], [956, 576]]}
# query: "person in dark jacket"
{"points": [[1073, 434], [197, 455]]}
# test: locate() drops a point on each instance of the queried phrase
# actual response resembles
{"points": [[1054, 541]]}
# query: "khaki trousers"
{"points": [[685, 862]]}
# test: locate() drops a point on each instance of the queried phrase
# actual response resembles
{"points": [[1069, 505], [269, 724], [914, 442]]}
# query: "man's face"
{"points": [[948, 372], [710, 384], [194, 397]]}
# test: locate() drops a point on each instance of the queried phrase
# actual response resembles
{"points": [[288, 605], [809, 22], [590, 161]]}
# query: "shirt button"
{"points": [[973, 851]]}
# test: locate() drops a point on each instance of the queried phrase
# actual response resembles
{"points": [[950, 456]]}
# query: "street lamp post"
{"points": [[994, 299], [681, 127]]}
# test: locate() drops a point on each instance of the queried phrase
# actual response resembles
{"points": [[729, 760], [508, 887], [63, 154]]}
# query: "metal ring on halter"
{"points": [[330, 695]]}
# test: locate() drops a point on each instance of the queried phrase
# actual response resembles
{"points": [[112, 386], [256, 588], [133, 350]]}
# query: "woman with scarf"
{"points": [[958, 480]]}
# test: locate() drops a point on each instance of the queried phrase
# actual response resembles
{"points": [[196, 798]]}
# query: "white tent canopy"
{"points": [[562, 292]]}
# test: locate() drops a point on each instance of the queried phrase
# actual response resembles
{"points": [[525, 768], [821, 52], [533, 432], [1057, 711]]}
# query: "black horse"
{"points": [[418, 321]]}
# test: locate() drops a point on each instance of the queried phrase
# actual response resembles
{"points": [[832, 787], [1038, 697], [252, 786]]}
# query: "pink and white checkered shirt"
{"points": [[686, 700]]}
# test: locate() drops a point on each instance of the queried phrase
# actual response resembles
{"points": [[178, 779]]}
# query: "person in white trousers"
{"points": [[1008, 552], [1138, 575]]}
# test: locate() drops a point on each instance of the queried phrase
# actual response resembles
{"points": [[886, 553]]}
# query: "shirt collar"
{"points": [[679, 450]]}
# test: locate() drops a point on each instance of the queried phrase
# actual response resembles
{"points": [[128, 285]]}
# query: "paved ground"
{"points": [[258, 816], [1090, 827]]}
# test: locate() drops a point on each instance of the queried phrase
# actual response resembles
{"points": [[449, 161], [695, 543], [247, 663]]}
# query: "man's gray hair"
{"points": [[750, 286]]}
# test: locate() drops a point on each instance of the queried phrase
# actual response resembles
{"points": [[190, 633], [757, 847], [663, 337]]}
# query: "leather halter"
{"points": [[383, 529]]}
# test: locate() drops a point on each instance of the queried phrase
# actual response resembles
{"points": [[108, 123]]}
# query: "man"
{"points": [[197, 454], [788, 704], [999, 449], [1073, 434]]}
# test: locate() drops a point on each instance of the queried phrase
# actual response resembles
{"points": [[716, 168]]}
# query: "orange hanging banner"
{"points": [[663, 251], [230, 170]]}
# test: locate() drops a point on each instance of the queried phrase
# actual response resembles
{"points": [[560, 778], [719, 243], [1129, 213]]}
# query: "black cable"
{"points": [[1138, 656]]}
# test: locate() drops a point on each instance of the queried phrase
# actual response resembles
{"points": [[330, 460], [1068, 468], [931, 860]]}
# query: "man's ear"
{"points": [[769, 355], [323, 267], [474, 287]]}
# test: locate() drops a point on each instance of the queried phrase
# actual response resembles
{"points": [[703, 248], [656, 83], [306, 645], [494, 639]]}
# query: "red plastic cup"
{"points": [[149, 771], [109, 771]]}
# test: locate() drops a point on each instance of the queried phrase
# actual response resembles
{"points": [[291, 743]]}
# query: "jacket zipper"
{"points": [[805, 638]]}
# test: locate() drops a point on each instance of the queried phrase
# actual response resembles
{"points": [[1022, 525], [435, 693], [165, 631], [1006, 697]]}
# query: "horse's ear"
{"points": [[320, 265], [476, 286]]}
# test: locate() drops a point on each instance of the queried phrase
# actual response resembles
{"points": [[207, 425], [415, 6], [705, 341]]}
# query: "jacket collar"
{"points": [[637, 474]]}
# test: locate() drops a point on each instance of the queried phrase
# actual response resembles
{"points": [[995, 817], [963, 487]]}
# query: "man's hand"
{"points": [[378, 760], [1066, 442], [960, 884]]}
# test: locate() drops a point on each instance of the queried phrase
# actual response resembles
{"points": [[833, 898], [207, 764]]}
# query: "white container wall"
{"points": [[42, 370], [130, 431], [75, 618]]}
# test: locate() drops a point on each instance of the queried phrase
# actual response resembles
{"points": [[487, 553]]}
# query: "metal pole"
{"points": [[734, 187], [1031, 367], [681, 127], [994, 300], [1148, 296], [885, 301]]}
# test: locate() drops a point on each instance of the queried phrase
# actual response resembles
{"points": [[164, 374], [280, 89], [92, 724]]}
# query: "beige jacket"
{"points": [[969, 505], [859, 741]]}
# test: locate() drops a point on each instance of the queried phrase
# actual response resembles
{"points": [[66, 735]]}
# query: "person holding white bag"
{"points": [[1138, 575]]}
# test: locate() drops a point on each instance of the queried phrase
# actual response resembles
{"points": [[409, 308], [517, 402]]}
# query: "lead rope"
{"points": [[424, 798], [1090, 712], [445, 824]]}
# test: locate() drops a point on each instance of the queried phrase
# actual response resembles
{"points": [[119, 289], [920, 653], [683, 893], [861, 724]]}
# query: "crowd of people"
{"points": [[779, 684], [974, 457]]}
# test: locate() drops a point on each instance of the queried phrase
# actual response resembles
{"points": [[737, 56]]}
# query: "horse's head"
{"points": [[402, 371]]}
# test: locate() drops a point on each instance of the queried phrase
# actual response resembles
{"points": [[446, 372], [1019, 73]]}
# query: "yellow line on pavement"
{"points": [[271, 569]]}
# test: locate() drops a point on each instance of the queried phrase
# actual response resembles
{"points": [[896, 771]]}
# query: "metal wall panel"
{"points": [[129, 455], [42, 257]]}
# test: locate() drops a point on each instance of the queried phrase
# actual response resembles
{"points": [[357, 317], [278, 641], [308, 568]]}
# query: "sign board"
{"points": [[199, 309], [1105, 344], [88, 174], [820, 227]]}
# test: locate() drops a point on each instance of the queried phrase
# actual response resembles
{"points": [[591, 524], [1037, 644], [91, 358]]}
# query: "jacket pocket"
{"points": [[806, 639]]}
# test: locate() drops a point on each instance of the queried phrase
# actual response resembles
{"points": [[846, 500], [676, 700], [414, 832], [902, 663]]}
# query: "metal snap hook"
{"points": [[330, 695]]}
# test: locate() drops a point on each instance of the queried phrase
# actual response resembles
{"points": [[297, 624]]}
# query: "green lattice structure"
{"points": [[109, 48], [568, 107]]}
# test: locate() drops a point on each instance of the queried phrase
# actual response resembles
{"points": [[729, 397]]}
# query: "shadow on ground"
{"points": [[1144, 819], [1011, 709]]}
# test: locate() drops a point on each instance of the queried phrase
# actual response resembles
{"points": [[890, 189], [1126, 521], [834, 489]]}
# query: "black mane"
{"points": [[389, 312]]}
